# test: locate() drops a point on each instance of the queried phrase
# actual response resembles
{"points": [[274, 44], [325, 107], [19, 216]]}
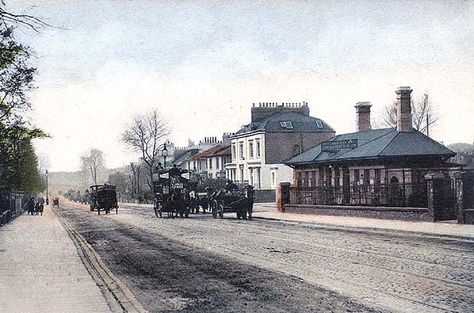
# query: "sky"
{"points": [[203, 63]]}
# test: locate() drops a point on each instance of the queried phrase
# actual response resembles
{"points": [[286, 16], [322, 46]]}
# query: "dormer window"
{"points": [[319, 124], [287, 125]]}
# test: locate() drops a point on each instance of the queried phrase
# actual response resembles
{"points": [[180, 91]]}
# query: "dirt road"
{"points": [[205, 265]]}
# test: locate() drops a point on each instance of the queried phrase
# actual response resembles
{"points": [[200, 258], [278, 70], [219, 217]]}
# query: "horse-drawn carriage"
{"points": [[103, 197], [233, 200], [172, 189]]}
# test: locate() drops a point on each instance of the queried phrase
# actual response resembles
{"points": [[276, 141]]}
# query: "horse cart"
{"points": [[103, 197], [238, 201], [172, 192]]}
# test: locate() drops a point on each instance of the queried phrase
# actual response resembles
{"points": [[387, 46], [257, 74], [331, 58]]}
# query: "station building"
{"points": [[376, 168]]}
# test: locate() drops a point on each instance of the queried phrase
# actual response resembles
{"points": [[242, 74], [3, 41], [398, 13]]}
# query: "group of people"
{"points": [[35, 207]]}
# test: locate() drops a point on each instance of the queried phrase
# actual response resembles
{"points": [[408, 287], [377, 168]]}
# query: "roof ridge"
{"points": [[388, 144]]}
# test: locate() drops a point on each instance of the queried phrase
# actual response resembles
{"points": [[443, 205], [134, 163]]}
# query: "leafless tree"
{"points": [[135, 178], [8, 18], [94, 162], [423, 115], [145, 135]]}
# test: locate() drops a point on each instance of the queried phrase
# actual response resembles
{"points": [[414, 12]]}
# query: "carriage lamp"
{"points": [[164, 153]]}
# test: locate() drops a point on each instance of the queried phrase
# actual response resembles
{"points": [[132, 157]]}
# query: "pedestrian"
{"points": [[37, 208], [30, 205]]}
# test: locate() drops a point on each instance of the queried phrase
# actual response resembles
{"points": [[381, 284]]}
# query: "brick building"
{"points": [[381, 167], [275, 133]]}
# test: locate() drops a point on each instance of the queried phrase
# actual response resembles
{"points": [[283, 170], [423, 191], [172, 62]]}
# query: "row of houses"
{"points": [[255, 154]]}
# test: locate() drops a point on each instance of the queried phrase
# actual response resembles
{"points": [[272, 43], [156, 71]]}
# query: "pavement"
{"points": [[269, 211], [41, 271]]}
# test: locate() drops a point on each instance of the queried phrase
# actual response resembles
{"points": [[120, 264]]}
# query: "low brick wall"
{"points": [[393, 213]]}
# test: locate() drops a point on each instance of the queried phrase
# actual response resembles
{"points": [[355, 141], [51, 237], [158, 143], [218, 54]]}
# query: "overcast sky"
{"points": [[203, 63]]}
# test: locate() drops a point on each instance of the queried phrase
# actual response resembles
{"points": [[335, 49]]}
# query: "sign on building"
{"points": [[337, 145]]}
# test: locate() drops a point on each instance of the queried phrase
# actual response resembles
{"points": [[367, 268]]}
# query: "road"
{"points": [[202, 264]]}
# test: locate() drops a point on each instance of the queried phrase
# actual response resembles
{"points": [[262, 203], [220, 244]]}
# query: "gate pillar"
{"points": [[434, 183], [282, 196]]}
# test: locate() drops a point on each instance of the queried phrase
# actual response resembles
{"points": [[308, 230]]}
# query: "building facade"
{"points": [[380, 167], [277, 132]]}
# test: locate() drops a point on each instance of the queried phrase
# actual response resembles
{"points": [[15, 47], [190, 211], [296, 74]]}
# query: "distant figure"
{"points": [[30, 205], [175, 171], [47, 201], [230, 186]]}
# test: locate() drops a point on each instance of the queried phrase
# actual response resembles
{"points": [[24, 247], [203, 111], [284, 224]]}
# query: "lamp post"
{"points": [[47, 187], [164, 153]]}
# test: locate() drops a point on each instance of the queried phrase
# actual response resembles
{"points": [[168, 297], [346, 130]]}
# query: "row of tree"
{"points": [[18, 161]]}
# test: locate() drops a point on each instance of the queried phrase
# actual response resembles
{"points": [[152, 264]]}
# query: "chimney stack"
{"points": [[404, 121], [363, 116]]}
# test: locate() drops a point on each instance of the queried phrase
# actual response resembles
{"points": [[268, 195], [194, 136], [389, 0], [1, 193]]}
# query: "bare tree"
{"points": [[423, 115], [145, 135], [93, 162], [135, 179]]}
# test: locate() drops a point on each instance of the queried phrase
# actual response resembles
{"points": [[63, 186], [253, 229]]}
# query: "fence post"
{"points": [[459, 185], [282, 196], [435, 202]]}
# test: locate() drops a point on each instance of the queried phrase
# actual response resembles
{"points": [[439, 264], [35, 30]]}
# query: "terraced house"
{"points": [[276, 132]]}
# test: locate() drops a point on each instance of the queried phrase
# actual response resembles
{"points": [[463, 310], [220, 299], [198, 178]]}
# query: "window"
{"points": [[296, 150], [319, 124], [234, 154], [257, 146], [217, 163], [273, 179], [241, 150], [251, 176], [251, 149], [210, 163], [242, 175], [287, 125]]}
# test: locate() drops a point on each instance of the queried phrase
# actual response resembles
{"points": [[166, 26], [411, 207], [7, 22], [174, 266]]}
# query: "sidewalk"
{"points": [[269, 211], [40, 269]]}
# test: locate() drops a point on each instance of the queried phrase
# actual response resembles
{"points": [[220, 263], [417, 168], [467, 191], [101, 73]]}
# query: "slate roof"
{"points": [[375, 144], [214, 151], [300, 122], [184, 156]]}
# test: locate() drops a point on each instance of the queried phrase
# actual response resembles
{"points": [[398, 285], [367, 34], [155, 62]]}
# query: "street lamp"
{"points": [[164, 153], [47, 189]]}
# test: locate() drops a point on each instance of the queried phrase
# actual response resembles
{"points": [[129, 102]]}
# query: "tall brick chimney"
{"points": [[404, 121], [363, 116]]}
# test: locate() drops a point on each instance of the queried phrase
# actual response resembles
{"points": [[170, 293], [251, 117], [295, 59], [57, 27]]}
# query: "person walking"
{"points": [[30, 205]]}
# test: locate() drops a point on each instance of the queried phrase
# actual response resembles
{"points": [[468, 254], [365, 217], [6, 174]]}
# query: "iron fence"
{"points": [[401, 195]]}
